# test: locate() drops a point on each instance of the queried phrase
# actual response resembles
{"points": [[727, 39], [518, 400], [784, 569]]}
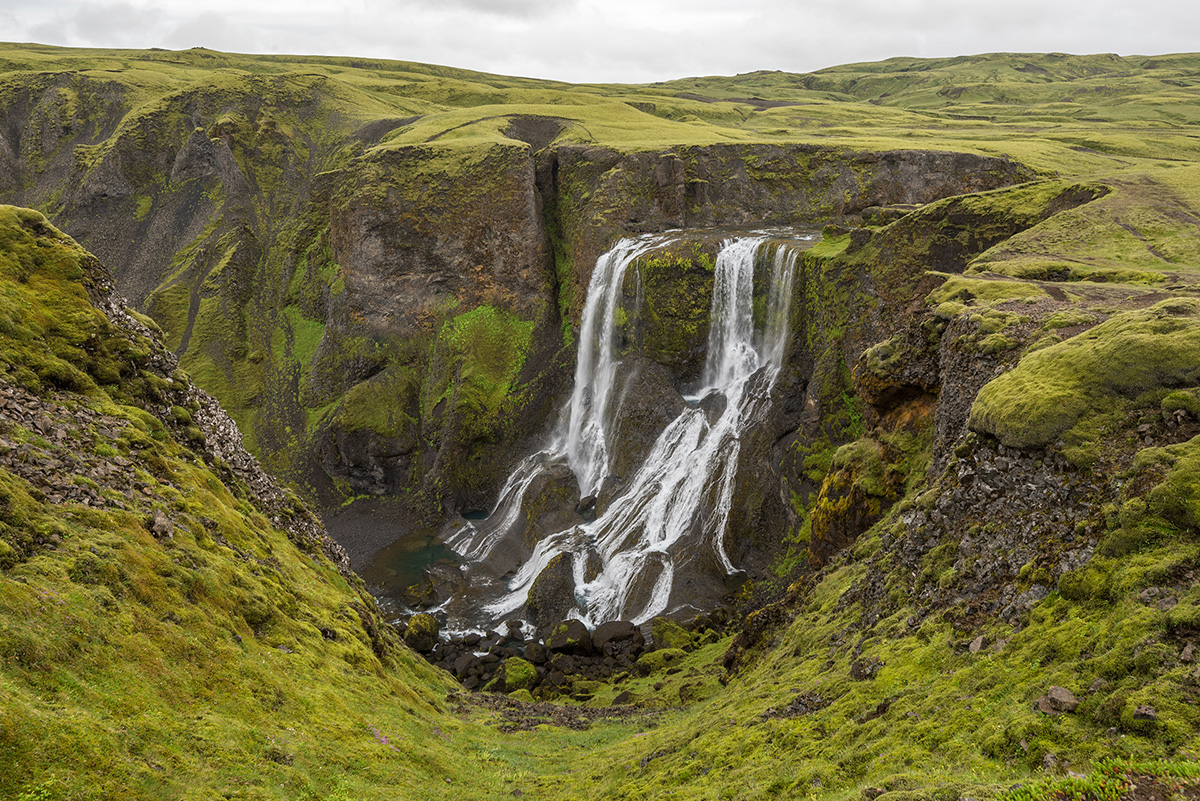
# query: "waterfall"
{"points": [[678, 502]]}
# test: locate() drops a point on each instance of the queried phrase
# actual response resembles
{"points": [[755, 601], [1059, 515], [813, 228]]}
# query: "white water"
{"points": [[678, 502]]}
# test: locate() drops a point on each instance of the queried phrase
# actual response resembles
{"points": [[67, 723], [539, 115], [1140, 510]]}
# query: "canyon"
{"points": [[857, 409]]}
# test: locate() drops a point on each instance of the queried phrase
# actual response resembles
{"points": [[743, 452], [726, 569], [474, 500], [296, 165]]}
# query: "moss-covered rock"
{"points": [[668, 634], [514, 675], [659, 660], [422, 632], [1059, 391]]}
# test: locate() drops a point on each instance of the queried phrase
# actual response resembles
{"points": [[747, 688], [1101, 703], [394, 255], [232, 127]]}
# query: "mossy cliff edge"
{"points": [[174, 623]]}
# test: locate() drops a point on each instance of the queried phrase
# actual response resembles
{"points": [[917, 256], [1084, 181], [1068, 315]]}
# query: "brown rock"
{"points": [[1145, 712], [1056, 701], [161, 526]]}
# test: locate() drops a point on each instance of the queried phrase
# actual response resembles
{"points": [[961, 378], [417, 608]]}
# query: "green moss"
{"points": [[479, 355], [668, 634], [1058, 389], [382, 404], [517, 675], [659, 660], [960, 288]]}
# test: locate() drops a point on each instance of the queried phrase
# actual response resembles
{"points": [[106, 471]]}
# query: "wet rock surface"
{"points": [[571, 661]]}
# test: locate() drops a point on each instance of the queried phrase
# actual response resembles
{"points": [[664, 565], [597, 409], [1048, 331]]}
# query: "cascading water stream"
{"points": [[679, 499]]}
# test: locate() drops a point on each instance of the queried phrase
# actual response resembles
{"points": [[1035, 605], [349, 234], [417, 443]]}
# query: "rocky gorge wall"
{"points": [[393, 321]]}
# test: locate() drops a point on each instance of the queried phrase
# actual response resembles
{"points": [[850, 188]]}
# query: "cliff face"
{"points": [[602, 195], [392, 320]]}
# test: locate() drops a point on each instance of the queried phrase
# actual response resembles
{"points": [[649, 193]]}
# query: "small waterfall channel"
{"points": [[675, 507]]}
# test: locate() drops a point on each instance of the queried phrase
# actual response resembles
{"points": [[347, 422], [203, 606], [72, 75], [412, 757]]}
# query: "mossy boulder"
{"points": [[570, 637], [659, 660], [1059, 392], [422, 633], [861, 485], [515, 674], [669, 634]]}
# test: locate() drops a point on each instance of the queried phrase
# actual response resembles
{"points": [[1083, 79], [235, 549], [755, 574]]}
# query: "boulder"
{"points": [[1145, 712], [659, 660], [570, 637], [463, 665], [552, 594], [669, 634], [514, 674], [1056, 701], [537, 653], [161, 526], [614, 631], [422, 633]]}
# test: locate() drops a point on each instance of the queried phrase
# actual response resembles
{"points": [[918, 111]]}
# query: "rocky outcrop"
{"points": [[571, 661], [417, 233]]}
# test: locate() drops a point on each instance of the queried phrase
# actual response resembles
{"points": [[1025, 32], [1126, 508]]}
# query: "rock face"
{"points": [[395, 320], [410, 238]]}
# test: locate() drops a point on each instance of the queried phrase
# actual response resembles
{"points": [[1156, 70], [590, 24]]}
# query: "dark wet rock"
{"points": [[647, 402], [552, 594], [443, 579], [550, 504], [563, 663], [465, 664], [615, 631], [537, 653], [570, 637]]}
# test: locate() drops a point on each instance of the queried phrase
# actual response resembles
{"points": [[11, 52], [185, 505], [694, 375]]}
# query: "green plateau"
{"points": [[239, 293]]}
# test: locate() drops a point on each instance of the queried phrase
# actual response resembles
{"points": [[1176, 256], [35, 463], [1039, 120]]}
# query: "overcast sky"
{"points": [[615, 40]]}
